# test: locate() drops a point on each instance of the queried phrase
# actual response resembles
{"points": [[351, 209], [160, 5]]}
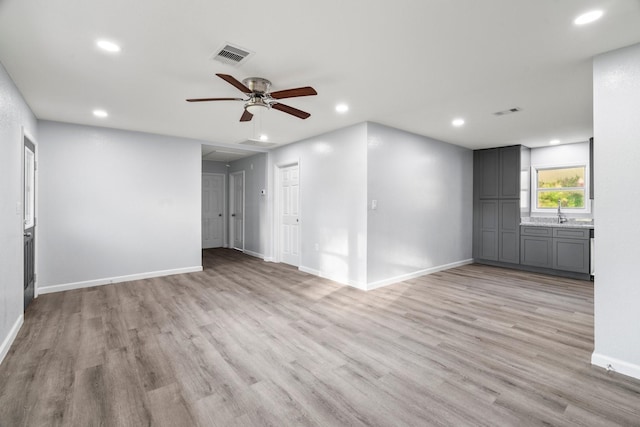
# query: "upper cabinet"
{"points": [[497, 173], [510, 172], [487, 173]]}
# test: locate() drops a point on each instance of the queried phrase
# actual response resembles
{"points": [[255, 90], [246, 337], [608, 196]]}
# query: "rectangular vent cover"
{"points": [[231, 55], [509, 111]]}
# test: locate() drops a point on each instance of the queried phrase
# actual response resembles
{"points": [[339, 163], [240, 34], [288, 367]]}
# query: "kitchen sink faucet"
{"points": [[562, 218]]}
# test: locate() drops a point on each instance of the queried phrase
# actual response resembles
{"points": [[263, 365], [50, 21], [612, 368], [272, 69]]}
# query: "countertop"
{"points": [[553, 222]]}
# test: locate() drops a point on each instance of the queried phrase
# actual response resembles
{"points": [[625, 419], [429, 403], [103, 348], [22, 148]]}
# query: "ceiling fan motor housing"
{"points": [[257, 84]]}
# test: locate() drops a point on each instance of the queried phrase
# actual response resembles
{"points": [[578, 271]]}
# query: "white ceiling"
{"points": [[410, 64]]}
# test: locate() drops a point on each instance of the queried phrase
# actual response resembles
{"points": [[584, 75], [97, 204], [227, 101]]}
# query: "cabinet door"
{"points": [[571, 255], [509, 231], [536, 251], [510, 172], [487, 247], [487, 173]]}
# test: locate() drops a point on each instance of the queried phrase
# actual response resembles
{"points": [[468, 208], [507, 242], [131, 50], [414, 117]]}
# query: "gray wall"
{"points": [[14, 115], [255, 175], [333, 203], [617, 156], [424, 194], [116, 203], [560, 155], [423, 189]]}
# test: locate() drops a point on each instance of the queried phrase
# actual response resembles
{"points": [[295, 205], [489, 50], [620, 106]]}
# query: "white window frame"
{"points": [[534, 189]]}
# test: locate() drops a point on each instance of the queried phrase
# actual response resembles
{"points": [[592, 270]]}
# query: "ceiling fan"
{"points": [[258, 96]]}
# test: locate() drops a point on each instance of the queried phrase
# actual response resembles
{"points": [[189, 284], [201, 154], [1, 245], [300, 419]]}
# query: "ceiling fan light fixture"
{"points": [[256, 106]]}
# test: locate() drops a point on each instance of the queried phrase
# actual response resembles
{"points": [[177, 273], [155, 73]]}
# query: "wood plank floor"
{"points": [[252, 343]]}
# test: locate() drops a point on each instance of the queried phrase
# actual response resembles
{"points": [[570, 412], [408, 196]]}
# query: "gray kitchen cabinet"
{"points": [[496, 206], [487, 173], [510, 172], [509, 231], [536, 246], [497, 173], [571, 250], [486, 241], [557, 248]]}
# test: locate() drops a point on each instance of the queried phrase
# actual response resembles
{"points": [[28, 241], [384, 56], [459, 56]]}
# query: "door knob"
{"points": [[219, 214], [233, 214]]}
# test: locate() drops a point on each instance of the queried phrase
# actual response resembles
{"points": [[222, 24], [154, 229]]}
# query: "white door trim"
{"points": [[232, 178], [277, 200], [224, 206], [26, 134]]}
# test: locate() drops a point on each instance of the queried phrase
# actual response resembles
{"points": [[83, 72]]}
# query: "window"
{"points": [[566, 185]]}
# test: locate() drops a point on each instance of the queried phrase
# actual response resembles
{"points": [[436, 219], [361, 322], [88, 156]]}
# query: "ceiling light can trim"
{"points": [[588, 17]]}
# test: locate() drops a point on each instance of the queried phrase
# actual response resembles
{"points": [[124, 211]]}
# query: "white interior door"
{"points": [[237, 210], [290, 215], [212, 210], [29, 220]]}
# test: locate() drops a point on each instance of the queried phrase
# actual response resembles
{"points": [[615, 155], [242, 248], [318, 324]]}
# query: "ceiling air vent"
{"points": [[509, 111], [231, 55]]}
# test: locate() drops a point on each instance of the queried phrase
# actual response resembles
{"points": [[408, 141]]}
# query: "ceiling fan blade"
{"points": [[292, 93], [290, 110], [232, 81], [246, 116], [213, 99]]}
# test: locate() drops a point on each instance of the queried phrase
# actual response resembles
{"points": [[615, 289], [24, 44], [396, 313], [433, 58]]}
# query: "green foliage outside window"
{"points": [[565, 185]]}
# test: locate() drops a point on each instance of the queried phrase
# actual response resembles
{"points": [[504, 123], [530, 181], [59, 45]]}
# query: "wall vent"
{"points": [[509, 111], [257, 143], [231, 55]]}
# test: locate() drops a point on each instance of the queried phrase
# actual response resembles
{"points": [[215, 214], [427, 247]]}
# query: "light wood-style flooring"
{"points": [[247, 343]]}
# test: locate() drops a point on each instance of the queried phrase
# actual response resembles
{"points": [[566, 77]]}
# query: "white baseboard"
{"points": [[424, 272], [254, 254], [616, 365], [269, 259], [385, 282], [333, 278], [118, 279], [13, 333]]}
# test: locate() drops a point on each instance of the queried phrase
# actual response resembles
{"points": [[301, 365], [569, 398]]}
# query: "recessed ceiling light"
{"points": [[264, 137], [108, 46], [588, 17], [100, 113], [342, 108], [554, 142], [457, 122]]}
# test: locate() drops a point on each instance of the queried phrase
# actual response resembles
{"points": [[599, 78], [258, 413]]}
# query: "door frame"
{"points": [[277, 200], [232, 178], [224, 207], [25, 134]]}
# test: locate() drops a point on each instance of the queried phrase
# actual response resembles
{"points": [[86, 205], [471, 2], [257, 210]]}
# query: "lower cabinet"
{"points": [[556, 248], [571, 249], [536, 251], [498, 231]]}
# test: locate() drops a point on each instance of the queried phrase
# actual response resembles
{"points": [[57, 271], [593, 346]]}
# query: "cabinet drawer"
{"points": [[571, 233], [526, 230]]}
